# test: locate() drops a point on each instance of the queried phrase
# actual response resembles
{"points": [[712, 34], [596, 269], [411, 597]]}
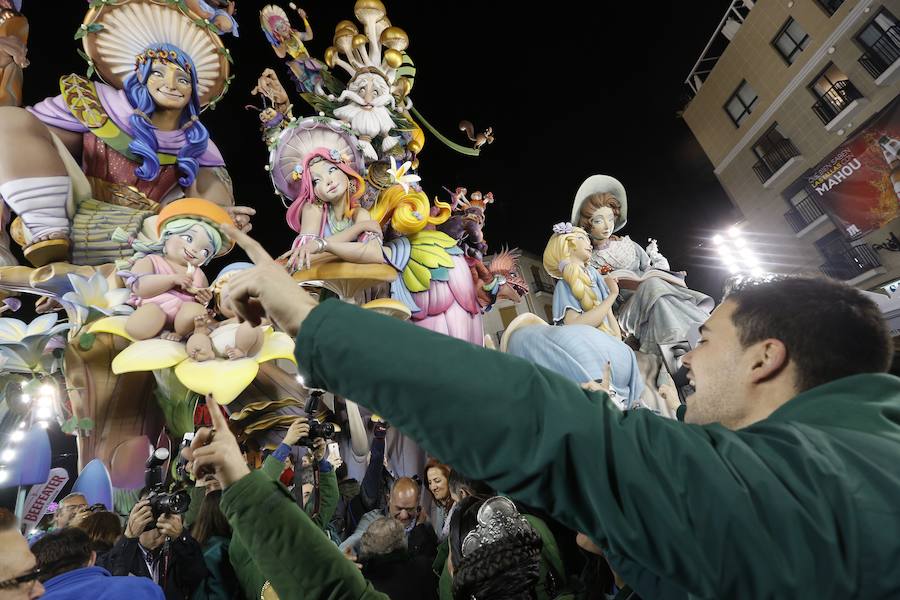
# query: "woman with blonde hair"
{"points": [[587, 344]]}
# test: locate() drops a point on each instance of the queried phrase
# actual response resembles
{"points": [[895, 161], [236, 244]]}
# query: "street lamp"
{"points": [[736, 254]]}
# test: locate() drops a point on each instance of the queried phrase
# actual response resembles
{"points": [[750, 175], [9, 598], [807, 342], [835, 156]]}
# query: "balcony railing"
{"points": [[781, 152], [835, 100], [854, 261], [803, 214], [883, 53]]}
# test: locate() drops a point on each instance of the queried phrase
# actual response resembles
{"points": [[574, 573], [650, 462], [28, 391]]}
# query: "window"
{"points": [[741, 103], [880, 39], [774, 151], [769, 143], [830, 6], [790, 41], [834, 93], [876, 28]]}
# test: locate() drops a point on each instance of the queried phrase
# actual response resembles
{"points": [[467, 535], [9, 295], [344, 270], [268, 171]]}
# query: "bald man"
{"points": [[403, 505], [18, 579]]}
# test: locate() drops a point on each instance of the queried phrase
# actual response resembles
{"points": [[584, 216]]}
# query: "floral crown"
{"points": [[159, 54], [563, 228], [335, 155]]}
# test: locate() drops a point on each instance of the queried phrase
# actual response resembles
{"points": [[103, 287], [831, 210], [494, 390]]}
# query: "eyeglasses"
{"points": [[30, 577]]}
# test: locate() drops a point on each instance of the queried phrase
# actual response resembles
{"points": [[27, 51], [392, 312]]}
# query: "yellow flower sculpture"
{"points": [[223, 378]]}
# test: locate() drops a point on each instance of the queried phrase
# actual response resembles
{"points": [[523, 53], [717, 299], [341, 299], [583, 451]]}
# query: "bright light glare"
{"points": [[44, 413], [718, 239], [47, 390], [45, 401], [733, 231], [25, 398], [17, 436], [757, 272], [8, 455], [740, 242], [43, 424], [4, 475]]}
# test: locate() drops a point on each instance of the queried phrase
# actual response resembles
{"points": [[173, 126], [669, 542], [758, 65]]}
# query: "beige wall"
{"points": [[751, 56]]}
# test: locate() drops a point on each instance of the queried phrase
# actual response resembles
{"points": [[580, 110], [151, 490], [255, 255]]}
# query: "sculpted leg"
{"points": [[34, 184]]}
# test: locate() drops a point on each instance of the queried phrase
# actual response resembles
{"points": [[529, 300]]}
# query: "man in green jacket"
{"points": [[782, 484]]}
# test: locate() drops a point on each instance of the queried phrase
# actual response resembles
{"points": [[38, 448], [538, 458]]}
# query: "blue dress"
{"points": [[580, 352]]}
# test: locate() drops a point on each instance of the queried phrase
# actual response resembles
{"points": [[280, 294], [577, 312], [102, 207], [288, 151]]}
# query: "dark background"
{"points": [[571, 89]]}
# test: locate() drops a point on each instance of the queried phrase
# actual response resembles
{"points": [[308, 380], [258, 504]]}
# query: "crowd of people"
{"points": [[780, 481]]}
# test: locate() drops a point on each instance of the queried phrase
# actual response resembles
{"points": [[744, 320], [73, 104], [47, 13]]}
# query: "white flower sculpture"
{"points": [[94, 294], [223, 378], [28, 347], [398, 175]]}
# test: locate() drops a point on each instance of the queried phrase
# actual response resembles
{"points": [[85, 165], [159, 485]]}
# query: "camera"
{"points": [[317, 430], [161, 501]]}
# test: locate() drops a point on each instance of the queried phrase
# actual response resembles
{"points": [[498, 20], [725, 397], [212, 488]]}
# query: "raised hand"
{"points": [[141, 515], [216, 451], [265, 290]]}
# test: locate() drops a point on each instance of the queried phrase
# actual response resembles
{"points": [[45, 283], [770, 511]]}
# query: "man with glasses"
{"points": [[68, 507], [403, 505], [18, 575]]}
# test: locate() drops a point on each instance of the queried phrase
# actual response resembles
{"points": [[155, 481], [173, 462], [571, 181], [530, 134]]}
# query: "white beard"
{"points": [[366, 123]]}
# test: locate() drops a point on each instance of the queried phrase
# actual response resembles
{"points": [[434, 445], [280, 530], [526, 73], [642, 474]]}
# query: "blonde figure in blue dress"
{"points": [[587, 335]]}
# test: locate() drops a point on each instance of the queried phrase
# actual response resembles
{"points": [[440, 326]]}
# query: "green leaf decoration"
{"points": [[70, 425], [80, 33], [86, 423], [86, 341]]}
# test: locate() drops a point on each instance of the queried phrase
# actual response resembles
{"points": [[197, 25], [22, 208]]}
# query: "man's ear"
{"points": [[769, 358]]}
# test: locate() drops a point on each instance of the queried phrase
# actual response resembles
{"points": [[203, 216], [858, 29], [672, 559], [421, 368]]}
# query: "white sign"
{"points": [[40, 497]]}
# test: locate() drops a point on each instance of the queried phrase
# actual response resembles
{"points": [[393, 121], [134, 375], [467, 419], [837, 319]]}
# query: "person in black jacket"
{"points": [[167, 554], [389, 566]]}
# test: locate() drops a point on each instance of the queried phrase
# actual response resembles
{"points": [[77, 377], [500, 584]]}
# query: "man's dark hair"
{"points": [[830, 330], [62, 551]]}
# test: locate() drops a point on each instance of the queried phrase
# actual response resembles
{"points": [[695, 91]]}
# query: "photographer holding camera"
{"points": [[158, 547], [318, 502]]}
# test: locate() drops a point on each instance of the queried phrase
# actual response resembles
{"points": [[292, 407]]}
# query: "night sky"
{"points": [[569, 93]]}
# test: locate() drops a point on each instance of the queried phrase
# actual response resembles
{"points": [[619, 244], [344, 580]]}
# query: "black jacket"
{"points": [[402, 576], [179, 576]]}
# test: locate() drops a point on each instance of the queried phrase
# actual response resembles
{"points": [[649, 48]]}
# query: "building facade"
{"points": [[780, 93], [539, 299]]}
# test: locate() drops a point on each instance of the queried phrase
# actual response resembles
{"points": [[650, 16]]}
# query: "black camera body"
{"points": [[317, 430], [161, 501]]}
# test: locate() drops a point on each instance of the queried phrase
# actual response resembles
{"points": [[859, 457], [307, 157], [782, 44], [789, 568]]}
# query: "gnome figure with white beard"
{"points": [[374, 82]]}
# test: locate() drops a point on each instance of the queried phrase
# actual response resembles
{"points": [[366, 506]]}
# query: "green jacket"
{"points": [[248, 574], [286, 545], [802, 504]]}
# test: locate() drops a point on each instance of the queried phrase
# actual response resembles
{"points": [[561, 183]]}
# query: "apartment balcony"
{"points": [[838, 103], [775, 162], [542, 286], [805, 216], [882, 59], [855, 265]]}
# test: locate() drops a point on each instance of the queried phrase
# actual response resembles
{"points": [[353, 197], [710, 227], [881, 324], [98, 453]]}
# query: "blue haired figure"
{"points": [[138, 136]]}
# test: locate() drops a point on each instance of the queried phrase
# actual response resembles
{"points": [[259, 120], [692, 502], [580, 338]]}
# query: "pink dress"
{"points": [[170, 302]]}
